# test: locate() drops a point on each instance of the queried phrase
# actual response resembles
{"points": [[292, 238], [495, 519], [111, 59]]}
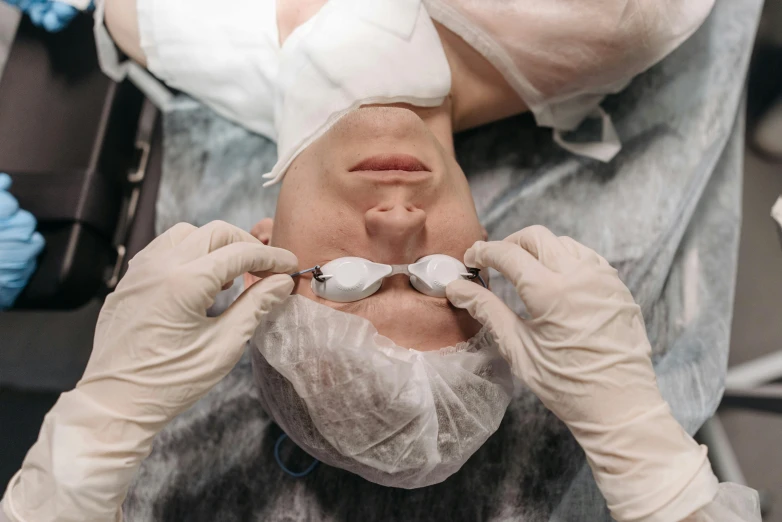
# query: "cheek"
{"points": [[458, 222]]}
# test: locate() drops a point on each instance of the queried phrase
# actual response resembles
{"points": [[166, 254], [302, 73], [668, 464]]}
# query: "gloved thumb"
{"points": [[245, 314], [491, 311], [480, 302], [239, 322], [5, 179]]}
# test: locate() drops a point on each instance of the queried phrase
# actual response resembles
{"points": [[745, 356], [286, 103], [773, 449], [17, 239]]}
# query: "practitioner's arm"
{"points": [[584, 352], [155, 354]]}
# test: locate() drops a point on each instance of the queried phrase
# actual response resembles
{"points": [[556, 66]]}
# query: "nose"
{"points": [[396, 231]]}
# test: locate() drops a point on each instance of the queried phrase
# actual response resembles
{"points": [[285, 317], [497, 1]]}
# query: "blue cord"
{"points": [[282, 466]]}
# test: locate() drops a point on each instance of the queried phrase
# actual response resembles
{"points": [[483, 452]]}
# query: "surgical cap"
{"points": [[353, 399]]}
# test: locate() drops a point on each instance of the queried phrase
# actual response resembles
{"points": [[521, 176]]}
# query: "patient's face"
{"points": [[383, 184]]}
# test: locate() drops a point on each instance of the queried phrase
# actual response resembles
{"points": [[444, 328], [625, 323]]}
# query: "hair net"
{"points": [[355, 400]]}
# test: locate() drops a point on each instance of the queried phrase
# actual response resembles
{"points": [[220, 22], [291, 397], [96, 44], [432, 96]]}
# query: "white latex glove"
{"points": [[584, 352], [155, 354]]}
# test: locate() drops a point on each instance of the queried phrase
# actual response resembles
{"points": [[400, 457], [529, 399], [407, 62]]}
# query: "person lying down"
{"points": [[392, 361], [363, 99]]}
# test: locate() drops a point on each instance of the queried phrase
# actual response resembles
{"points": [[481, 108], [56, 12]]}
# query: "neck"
{"points": [[479, 92]]}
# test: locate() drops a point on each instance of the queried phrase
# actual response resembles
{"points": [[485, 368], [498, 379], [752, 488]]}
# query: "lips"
{"points": [[388, 162]]}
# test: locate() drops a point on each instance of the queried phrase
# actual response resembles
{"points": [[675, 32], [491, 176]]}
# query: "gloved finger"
{"points": [[27, 4], [242, 318], [571, 245], [165, 242], [19, 227], [5, 179], [14, 253], [8, 205], [58, 17], [17, 277], [516, 264], [51, 22], [212, 237], [36, 13], [63, 10], [491, 311], [481, 303], [544, 245], [211, 272]]}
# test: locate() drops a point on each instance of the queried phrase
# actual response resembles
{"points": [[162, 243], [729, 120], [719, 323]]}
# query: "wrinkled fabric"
{"points": [[353, 399], [564, 57], [733, 502], [666, 212], [561, 58]]}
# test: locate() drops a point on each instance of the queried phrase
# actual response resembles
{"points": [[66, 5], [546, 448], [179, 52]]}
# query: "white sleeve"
{"points": [[733, 503]]}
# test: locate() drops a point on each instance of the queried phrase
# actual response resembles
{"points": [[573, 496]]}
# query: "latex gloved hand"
{"points": [[20, 245], [51, 15], [584, 352], [155, 354]]}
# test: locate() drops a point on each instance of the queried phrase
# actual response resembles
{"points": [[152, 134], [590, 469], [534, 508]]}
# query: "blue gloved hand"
{"points": [[20, 245], [50, 14]]}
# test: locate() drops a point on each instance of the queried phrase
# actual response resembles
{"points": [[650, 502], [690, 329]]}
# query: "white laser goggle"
{"points": [[349, 279]]}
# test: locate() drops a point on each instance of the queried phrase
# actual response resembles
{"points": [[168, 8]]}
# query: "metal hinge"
{"points": [[134, 182]]}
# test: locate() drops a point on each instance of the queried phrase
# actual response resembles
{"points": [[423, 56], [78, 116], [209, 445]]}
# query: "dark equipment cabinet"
{"points": [[72, 140]]}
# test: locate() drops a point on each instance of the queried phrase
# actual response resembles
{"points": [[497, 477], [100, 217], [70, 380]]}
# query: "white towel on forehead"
{"points": [[350, 54]]}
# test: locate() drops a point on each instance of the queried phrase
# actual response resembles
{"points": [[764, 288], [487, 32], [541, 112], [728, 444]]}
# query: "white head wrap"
{"points": [[353, 399]]}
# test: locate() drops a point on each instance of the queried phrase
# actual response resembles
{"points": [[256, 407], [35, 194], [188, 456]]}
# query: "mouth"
{"points": [[390, 162]]}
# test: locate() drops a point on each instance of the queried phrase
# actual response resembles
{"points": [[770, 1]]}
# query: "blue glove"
{"points": [[51, 15], [20, 245]]}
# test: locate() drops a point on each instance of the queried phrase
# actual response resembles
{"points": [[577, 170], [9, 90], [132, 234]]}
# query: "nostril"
{"points": [[407, 208]]}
